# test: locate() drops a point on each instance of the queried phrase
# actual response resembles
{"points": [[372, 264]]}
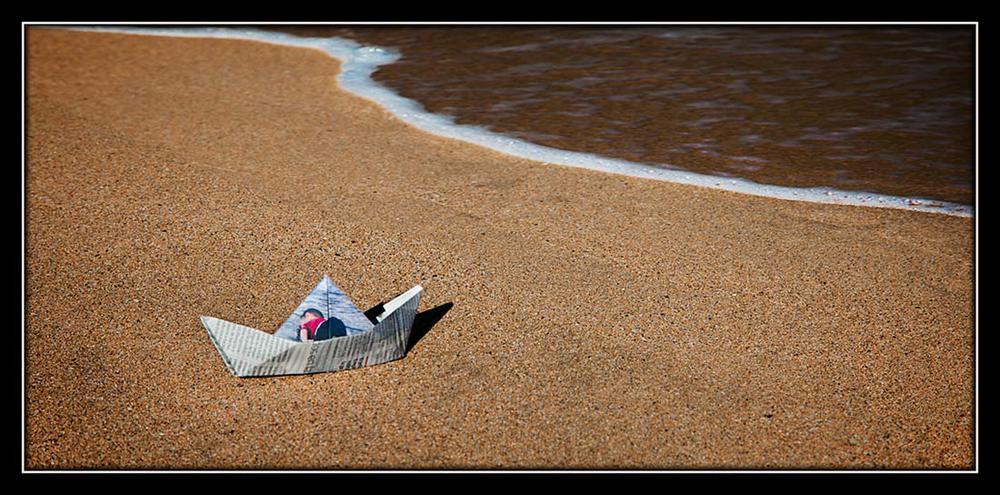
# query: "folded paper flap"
{"points": [[217, 325], [333, 303], [244, 348], [397, 302]]}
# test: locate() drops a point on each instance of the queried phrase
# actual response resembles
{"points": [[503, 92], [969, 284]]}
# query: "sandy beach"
{"points": [[589, 320]]}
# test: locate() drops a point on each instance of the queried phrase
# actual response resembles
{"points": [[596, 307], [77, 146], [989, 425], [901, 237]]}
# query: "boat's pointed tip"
{"points": [[414, 291]]}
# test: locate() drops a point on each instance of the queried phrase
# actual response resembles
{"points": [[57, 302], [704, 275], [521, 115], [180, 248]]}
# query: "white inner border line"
{"points": [[802, 471]]}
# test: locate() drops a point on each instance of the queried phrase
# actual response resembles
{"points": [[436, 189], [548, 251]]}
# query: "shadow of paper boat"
{"points": [[250, 352]]}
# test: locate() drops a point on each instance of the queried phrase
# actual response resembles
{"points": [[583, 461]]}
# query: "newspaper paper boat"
{"points": [[250, 352]]}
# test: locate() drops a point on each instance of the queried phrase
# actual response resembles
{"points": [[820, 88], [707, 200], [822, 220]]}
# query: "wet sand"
{"points": [[597, 321]]}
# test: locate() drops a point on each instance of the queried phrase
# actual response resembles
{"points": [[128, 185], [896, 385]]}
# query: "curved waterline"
{"points": [[358, 63]]}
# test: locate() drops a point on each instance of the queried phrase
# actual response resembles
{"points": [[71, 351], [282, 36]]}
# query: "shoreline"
{"points": [[598, 321], [360, 62]]}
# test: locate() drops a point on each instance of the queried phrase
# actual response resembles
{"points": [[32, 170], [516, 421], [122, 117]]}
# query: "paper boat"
{"points": [[368, 341]]}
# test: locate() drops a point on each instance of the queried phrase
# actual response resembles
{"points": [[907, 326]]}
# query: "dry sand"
{"points": [[598, 321]]}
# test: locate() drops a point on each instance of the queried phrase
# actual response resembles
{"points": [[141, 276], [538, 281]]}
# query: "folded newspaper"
{"points": [[327, 332]]}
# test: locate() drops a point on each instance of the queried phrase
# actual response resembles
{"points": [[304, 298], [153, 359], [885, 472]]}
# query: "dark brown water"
{"points": [[881, 109]]}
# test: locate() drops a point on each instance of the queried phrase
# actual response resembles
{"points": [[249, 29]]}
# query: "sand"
{"points": [[590, 320]]}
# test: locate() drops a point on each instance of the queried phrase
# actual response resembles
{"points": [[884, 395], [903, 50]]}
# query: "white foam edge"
{"points": [[359, 62]]}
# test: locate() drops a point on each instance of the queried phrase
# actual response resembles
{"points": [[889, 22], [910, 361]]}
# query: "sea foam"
{"points": [[358, 63]]}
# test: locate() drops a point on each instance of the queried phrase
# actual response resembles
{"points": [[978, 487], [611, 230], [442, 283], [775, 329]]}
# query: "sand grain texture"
{"points": [[598, 321]]}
